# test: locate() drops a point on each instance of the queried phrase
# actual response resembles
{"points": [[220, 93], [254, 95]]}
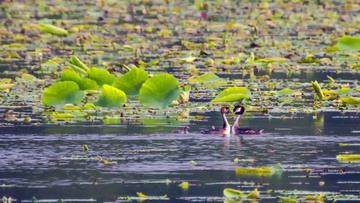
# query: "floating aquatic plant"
{"points": [[260, 171], [132, 81], [52, 29], [111, 97], [232, 94], [65, 92], [101, 76], [349, 43], [84, 84], [159, 91]]}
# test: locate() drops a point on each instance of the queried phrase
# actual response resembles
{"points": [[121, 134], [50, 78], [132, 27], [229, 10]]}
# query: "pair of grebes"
{"points": [[226, 129]]}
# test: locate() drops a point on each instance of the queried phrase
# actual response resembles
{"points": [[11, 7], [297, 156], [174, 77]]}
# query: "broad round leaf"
{"points": [[66, 92], [349, 43], [101, 76], [84, 84], [132, 81], [208, 77], [285, 91], [111, 97], [232, 94], [28, 77], [159, 91]]}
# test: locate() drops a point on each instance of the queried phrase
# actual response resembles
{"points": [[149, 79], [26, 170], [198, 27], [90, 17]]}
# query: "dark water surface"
{"points": [[48, 161]]}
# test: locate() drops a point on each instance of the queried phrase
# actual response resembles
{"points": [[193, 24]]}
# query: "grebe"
{"points": [[236, 130], [225, 130], [182, 131]]}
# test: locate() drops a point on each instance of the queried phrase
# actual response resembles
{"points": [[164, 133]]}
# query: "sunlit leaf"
{"points": [[233, 94], [272, 60], [111, 97], [28, 77], [349, 43], [132, 81], [208, 77], [344, 90], [188, 59], [260, 171], [184, 185], [285, 91], [232, 193], [77, 62], [53, 29], [159, 91], [141, 195], [66, 92], [317, 89], [254, 194], [7, 86], [350, 100], [101, 76], [348, 157], [84, 84]]}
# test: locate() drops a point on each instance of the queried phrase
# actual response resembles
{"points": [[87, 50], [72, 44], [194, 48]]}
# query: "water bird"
{"points": [[184, 131], [236, 130], [225, 130]]}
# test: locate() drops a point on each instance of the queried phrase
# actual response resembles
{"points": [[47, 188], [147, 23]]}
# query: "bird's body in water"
{"points": [[236, 130], [184, 131], [225, 130]]}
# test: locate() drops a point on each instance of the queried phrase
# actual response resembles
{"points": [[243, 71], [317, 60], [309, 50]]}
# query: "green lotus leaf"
{"points": [[66, 92], [344, 90], [101, 76], [350, 100], [232, 193], [84, 84], [349, 43], [53, 29], [285, 91], [28, 77], [76, 68], [232, 94], [317, 89], [111, 97], [132, 81], [272, 60], [159, 91], [208, 77], [77, 62]]}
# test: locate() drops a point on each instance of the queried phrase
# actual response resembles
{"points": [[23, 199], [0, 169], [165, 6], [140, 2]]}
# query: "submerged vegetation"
{"points": [[168, 62]]}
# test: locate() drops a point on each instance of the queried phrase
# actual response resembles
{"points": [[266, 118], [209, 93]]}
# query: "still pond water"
{"points": [[48, 162]]}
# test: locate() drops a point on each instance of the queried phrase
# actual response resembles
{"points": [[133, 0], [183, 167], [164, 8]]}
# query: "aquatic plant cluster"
{"points": [[170, 61], [214, 54]]}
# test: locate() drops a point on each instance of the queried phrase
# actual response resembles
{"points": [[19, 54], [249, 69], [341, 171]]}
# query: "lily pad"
{"points": [[66, 92], [232, 94], [349, 43], [232, 193], [208, 77], [132, 81], [285, 91], [28, 77], [53, 29], [101, 76], [350, 100], [159, 91], [111, 97], [84, 84], [348, 157]]}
